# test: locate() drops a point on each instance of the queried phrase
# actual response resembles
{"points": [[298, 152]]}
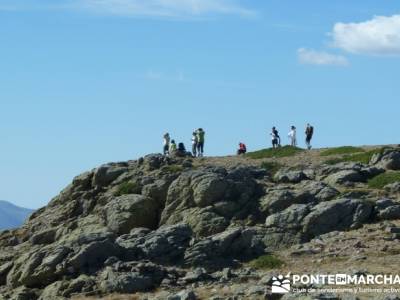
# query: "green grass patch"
{"points": [[363, 157], [266, 262], [379, 182], [128, 187], [341, 151], [284, 151], [271, 167], [172, 168]]}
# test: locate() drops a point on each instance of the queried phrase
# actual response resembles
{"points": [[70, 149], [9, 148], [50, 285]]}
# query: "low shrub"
{"points": [[380, 181], [341, 150], [128, 187], [363, 157], [266, 262], [172, 168]]}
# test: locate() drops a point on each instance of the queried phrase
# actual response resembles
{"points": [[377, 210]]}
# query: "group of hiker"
{"points": [[198, 137], [276, 139], [171, 148]]}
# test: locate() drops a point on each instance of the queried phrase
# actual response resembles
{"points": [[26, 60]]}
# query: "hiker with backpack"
{"points": [[200, 141], [309, 134], [276, 139], [172, 147], [194, 143], [166, 143], [242, 149], [292, 136]]}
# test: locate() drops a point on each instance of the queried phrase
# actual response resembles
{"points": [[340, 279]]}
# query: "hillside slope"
{"points": [[12, 216], [209, 227]]}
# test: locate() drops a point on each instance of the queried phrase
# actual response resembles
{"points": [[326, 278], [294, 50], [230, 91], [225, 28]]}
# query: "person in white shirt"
{"points": [[166, 143], [195, 141], [292, 136]]}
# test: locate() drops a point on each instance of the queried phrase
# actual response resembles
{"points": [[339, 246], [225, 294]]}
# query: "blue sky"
{"points": [[84, 82]]}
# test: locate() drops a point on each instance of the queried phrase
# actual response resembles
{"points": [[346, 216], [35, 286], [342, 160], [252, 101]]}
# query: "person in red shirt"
{"points": [[242, 149]]}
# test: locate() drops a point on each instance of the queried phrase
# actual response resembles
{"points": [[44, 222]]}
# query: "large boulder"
{"points": [[64, 289], [340, 214], [281, 197], [317, 190], [207, 199], [130, 211], [348, 172], [164, 245], [387, 209], [127, 278], [389, 159], [106, 174], [221, 249], [345, 176], [277, 200], [38, 268], [290, 176], [92, 256], [290, 218]]}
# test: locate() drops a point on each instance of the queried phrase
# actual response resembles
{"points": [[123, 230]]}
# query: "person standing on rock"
{"points": [[194, 143], [172, 147], [309, 134], [276, 139], [292, 136], [200, 141], [166, 143]]}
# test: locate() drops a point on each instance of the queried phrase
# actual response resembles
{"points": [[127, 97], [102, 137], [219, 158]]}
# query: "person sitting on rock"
{"points": [[181, 151], [172, 147], [242, 149]]}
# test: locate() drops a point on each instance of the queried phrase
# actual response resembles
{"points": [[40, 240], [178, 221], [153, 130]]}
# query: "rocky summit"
{"points": [[209, 228]]}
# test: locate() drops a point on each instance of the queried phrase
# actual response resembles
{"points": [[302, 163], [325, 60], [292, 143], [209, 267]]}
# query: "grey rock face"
{"points": [[129, 211], [307, 192], [211, 196], [165, 245], [389, 159], [183, 295], [285, 176], [130, 278], [387, 209], [87, 240], [338, 214], [349, 172], [290, 218], [221, 248], [393, 187], [106, 174]]}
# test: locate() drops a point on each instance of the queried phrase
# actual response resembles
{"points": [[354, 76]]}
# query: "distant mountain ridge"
{"points": [[12, 216]]}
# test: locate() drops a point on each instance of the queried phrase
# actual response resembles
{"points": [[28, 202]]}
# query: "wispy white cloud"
{"points": [[165, 8], [176, 9], [320, 58], [378, 36]]}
